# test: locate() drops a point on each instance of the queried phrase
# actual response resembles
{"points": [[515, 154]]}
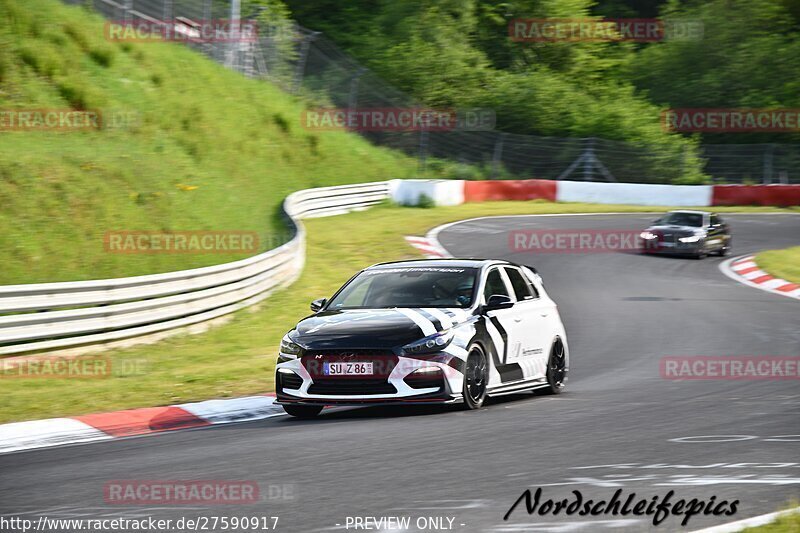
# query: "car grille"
{"points": [[672, 236], [290, 381], [342, 387]]}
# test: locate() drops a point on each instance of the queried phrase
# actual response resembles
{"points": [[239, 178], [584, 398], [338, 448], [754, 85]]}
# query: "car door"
{"points": [[531, 322], [500, 322]]}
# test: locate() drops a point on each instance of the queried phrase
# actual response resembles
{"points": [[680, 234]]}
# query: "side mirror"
{"points": [[498, 301], [318, 304]]}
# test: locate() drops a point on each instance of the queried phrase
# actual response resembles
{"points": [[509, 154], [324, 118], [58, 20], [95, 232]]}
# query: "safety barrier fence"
{"points": [[48, 316]]}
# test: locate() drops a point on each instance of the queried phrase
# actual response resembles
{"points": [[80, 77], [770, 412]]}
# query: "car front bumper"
{"points": [[295, 384], [676, 248]]}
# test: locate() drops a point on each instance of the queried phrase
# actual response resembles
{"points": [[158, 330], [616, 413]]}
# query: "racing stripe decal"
{"points": [[443, 318], [496, 323], [424, 324], [434, 320], [497, 339]]}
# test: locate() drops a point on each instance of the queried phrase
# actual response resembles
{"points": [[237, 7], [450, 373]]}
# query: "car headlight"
{"points": [[691, 238], [648, 235], [431, 344], [289, 349]]}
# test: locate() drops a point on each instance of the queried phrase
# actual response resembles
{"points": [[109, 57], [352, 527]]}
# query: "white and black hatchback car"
{"points": [[427, 331]]}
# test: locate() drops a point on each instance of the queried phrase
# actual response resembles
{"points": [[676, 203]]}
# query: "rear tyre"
{"points": [[303, 411], [476, 377], [726, 248], [556, 369]]}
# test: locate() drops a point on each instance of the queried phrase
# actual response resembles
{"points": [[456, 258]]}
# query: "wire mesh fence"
{"points": [[305, 62]]}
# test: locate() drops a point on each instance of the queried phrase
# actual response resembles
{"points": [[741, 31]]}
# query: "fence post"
{"points": [[588, 160], [352, 99], [683, 160], [497, 157], [423, 152], [768, 153], [301, 64], [127, 8]]}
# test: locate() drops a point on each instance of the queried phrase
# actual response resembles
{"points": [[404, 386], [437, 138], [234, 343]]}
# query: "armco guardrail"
{"points": [[50, 316]]}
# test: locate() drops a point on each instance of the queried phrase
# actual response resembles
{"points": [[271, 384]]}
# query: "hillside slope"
{"points": [[207, 150]]}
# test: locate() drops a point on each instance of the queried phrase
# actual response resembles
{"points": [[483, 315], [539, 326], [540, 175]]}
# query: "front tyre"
{"points": [[556, 369], [303, 411], [476, 377]]}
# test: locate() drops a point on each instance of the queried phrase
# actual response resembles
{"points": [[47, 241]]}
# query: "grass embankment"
{"points": [[783, 264], [789, 523], [238, 358], [206, 149]]}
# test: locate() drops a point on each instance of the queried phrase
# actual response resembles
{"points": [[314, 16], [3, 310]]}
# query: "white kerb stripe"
{"points": [[234, 409], [43, 433], [743, 266], [424, 324]]}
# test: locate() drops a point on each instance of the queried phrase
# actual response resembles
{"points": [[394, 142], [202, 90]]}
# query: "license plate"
{"points": [[667, 244], [347, 369]]}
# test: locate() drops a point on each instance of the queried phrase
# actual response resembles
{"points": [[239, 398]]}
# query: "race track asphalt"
{"points": [[619, 424]]}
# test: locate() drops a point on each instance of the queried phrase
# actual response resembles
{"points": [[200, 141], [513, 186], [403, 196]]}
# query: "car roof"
{"points": [[447, 263], [694, 212]]}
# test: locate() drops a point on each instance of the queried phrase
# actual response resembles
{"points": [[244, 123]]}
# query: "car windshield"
{"points": [[408, 287], [683, 219]]}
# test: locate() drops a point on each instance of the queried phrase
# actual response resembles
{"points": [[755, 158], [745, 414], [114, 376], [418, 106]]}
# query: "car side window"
{"points": [[521, 289], [494, 284], [715, 220]]}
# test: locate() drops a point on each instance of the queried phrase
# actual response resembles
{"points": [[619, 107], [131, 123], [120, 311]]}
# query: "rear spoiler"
{"points": [[535, 273]]}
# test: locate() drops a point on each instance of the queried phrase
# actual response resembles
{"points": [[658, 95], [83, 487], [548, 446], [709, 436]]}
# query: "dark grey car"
{"points": [[693, 233]]}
